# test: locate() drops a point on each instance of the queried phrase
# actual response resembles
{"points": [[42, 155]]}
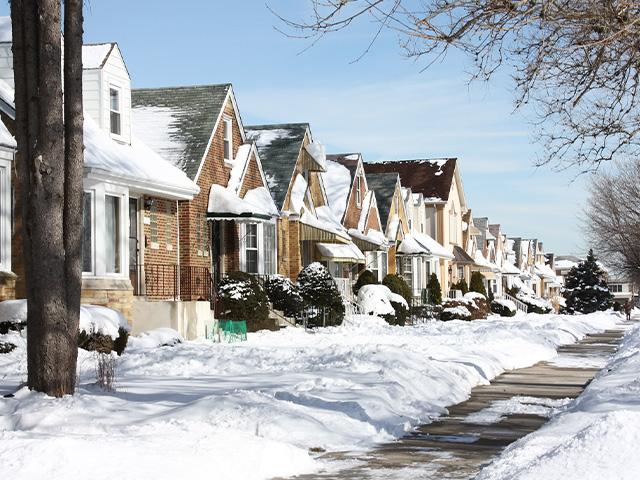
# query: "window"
{"points": [[407, 271], [615, 288], [251, 248], [228, 142], [112, 231], [358, 193], [383, 265], [114, 108], [269, 248], [5, 214], [153, 226], [460, 273], [87, 230], [372, 263]]}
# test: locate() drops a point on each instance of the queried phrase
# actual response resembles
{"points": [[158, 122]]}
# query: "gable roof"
{"points": [[95, 55], [178, 122], [432, 178], [279, 146], [384, 186], [347, 160]]}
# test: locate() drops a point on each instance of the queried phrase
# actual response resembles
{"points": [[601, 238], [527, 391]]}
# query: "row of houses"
{"points": [[179, 192]]}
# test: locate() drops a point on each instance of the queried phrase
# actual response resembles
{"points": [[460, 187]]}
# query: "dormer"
{"points": [[106, 87]]}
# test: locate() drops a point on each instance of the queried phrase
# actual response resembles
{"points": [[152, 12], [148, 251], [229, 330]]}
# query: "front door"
{"points": [[134, 247]]}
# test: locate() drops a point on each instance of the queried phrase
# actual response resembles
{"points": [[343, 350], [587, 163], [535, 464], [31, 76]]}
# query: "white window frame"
{"points": [[92, 206], [260, 248], [100, 190], [5, 212], [227, 129], [118, 90]]}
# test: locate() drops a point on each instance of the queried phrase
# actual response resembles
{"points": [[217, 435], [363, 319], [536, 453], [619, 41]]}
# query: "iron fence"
{"points": [[171, 282]]}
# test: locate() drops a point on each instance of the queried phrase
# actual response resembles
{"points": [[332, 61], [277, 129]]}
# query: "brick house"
{"points": [[230, 224], [355, 205], [308, 230], [120, 175]]}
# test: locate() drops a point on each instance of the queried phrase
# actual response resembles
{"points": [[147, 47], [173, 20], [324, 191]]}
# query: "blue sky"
{"points": [[381, 105]]}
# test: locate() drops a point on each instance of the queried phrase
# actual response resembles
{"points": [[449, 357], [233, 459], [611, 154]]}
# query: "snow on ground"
{"points": [[597, 437], [253, 410]]}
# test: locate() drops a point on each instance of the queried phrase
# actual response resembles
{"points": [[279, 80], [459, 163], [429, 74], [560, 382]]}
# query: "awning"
{"points": [[370, 242], [316, 230], [461, 257], [224, 204], [489, 275], [340, 252]]}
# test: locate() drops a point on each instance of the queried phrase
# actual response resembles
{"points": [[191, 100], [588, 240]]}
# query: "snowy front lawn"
{"points": [[596, 438], [254, 410]]}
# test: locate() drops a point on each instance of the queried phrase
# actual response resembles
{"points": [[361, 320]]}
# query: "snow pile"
{"points": [[376, 300], [93, 318], [298, 192], [158, 337], [102, 320], [597, 437], [252, 410], [225, 203], [363, 321]]}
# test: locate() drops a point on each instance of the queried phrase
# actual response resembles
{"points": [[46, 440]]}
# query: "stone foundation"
{"points": [[107, 292]]}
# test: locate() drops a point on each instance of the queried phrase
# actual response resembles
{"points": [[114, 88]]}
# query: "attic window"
{"points": [[114, 109], [228, 142], [358, 194]]}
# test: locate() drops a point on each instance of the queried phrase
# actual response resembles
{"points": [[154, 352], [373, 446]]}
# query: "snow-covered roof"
{"points": [[95, 55], [421, 244], [6, 139], [545, 272], [509, 268], [135, 165], [372, 236], [309, 219], [340, 252], [317, 151], [565, 264], [337, 185], [257, 204]]}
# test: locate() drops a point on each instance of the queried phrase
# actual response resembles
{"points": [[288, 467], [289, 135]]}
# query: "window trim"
{"points": [[358, 192], [92, 204], [6, 212], [260, 248], [227, 128], [118, 90]]}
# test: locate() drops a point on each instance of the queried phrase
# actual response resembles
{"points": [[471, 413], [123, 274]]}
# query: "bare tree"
{"points": [[577, 62], [49, 164], [612, 218]]}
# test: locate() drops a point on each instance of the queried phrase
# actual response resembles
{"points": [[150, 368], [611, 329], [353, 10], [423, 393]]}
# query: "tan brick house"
{"points": [[355, 204], [230, 224], [308, 230]]}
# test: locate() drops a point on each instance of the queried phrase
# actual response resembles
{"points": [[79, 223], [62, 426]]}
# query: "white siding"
{"points": [[91, 95], [114, 73]]}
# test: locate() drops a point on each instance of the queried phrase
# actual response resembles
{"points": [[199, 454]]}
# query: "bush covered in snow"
{"points": [[13, 315], [243, 298], [534, 304], [398, 285], [435, 292], [455, 312], [379, 300], [102, 330], [477, 283], [284, 295], [504, 308], [475, 305], [321, 295], [367, 277]]}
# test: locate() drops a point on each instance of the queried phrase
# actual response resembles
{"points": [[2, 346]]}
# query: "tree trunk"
{"points": [[47, 201]]}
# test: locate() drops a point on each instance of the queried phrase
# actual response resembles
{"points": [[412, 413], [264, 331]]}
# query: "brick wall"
{"points": [[353, 211], [373, 222]]}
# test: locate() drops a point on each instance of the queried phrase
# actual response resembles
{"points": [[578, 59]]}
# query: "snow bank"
{"points": [[252, 410], [508, 304], [158, 337], [93, 318], [597, 437]]}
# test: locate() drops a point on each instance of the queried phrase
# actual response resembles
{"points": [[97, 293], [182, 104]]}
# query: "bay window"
{"points": [[105, 237]]}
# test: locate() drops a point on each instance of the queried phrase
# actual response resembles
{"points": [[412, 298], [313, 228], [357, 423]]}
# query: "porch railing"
{"points": [[171, 282], [520, 306], [454, 294]]}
